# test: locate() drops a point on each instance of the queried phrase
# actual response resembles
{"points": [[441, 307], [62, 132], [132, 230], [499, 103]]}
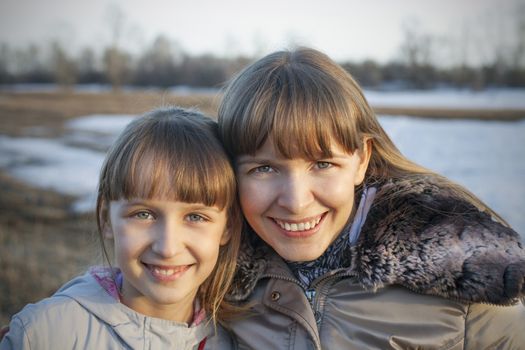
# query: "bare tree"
{"points": [[64, 68], [5, 60], [417, 52], [518, 54], [116, 60], [159, 64]]}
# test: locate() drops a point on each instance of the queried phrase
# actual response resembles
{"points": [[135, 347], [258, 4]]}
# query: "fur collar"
{"points": [[418, 234]]}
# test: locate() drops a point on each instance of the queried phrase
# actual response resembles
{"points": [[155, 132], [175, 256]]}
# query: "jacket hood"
{"points": [[131, 326], [420, 235]]}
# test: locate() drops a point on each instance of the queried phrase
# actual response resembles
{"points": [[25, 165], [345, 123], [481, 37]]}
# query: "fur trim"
{"points": [[421, 236]]}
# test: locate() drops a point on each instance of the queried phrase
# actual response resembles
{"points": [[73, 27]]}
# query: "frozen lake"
{"points": [[487, 157]]}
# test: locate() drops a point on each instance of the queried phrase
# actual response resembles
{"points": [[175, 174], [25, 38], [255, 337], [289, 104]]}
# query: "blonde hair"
{"points": [[303, 101], [175, 154]]}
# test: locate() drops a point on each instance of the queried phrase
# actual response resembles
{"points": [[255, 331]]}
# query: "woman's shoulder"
{"points": [[422, 234], [221, 339], [426, 201]]}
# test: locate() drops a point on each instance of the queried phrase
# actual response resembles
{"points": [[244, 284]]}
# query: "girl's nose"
{"points": [[296, 194], [167, 242]]}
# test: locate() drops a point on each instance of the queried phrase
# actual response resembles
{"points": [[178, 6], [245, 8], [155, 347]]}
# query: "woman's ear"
{"points": [[364, 158]]}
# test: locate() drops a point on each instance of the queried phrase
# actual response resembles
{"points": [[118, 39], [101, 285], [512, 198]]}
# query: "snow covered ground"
{"points": [[488, 157], [491, 99]]}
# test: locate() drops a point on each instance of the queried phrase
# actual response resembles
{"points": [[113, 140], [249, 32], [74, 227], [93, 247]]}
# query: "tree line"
{"points": [[164, 64]]}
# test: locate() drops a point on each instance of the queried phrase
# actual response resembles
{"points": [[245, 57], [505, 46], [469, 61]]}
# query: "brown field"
{"points": [[43, 244]]}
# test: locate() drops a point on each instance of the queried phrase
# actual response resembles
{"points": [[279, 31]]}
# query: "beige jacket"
{"points": [[422, 277]]}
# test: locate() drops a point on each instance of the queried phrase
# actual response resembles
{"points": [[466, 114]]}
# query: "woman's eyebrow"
{"points": [[252, 159]]}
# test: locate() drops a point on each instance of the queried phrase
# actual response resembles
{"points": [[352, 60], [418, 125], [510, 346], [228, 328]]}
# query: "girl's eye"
{"points": [[263, 169], [196, 218], [143, 215], [323, 165]]}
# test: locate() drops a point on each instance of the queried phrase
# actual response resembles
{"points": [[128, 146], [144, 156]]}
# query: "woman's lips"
{"points": [[300, 228]]}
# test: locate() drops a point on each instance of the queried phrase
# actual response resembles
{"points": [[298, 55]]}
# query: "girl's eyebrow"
{"points": [[198, 206], [151, 203]]}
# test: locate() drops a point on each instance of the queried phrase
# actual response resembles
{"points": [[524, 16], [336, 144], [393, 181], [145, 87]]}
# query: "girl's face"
{"points": [[299, 206], [165, 249]]}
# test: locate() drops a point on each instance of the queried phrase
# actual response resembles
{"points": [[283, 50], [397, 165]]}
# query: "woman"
{"points": [[349, 245]]}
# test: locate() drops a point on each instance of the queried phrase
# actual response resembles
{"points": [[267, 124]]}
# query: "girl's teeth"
{"points": [[165, 272]]}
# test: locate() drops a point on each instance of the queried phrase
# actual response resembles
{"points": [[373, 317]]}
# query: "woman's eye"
{"points": [[143, 215], [196, 218], [324, 165]]}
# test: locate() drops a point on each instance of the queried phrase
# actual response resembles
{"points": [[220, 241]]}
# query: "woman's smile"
{"points": [[299, 206], [299, 225]]}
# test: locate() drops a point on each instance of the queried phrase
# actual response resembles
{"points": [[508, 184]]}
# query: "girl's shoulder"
{"points": [[63, 306], [40, 323], [79, 314]]}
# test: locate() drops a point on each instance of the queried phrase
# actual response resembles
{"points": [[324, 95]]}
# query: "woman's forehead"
{"points": [[270, 150]]}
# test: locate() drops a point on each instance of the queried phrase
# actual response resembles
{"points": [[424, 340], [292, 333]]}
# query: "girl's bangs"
{"points": [[174, 172]]}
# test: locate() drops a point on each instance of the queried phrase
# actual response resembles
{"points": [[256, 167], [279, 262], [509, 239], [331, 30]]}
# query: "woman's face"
{"points": [[299, 206]]}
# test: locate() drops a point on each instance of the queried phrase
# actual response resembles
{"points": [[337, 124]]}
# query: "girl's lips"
{"points": [[167, 273]]}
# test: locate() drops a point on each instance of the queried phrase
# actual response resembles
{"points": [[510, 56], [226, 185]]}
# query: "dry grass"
{"points": [[21, 113]]}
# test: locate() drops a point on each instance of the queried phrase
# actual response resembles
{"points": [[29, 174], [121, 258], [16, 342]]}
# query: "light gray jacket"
{"points": [[82, 315]]}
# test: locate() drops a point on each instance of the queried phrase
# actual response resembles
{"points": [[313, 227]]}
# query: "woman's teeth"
{"points": [[301, 226]]}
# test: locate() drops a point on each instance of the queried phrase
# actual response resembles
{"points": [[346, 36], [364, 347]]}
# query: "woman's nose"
{"points": [[295, 194]]}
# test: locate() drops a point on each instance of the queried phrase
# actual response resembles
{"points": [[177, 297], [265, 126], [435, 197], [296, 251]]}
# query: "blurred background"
{"points": [[446, 78]]}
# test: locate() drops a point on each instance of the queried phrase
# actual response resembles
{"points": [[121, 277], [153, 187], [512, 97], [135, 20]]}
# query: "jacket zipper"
{"points": [[317, 342]]}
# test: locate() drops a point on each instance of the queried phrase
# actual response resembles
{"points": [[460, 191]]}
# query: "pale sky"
{"points": [[344, 29]]}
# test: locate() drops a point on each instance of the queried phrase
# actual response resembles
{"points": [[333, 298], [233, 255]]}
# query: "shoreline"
{"points": [[34, 108], [506, 115]]}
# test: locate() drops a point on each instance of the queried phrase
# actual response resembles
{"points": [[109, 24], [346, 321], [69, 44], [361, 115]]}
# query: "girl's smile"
{"points": [[166, 250], [299, 206], [167, 273]]}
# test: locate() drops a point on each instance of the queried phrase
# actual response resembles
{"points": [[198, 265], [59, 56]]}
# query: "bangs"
{"points": [[301, 108], [171, 163]]}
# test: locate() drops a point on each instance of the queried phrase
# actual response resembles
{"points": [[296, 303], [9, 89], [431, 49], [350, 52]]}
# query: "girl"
{"points": [[351, 245], [167, 200]]}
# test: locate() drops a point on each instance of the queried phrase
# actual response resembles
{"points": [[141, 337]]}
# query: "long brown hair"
{"points": [[175, 154], [303, 101]]}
